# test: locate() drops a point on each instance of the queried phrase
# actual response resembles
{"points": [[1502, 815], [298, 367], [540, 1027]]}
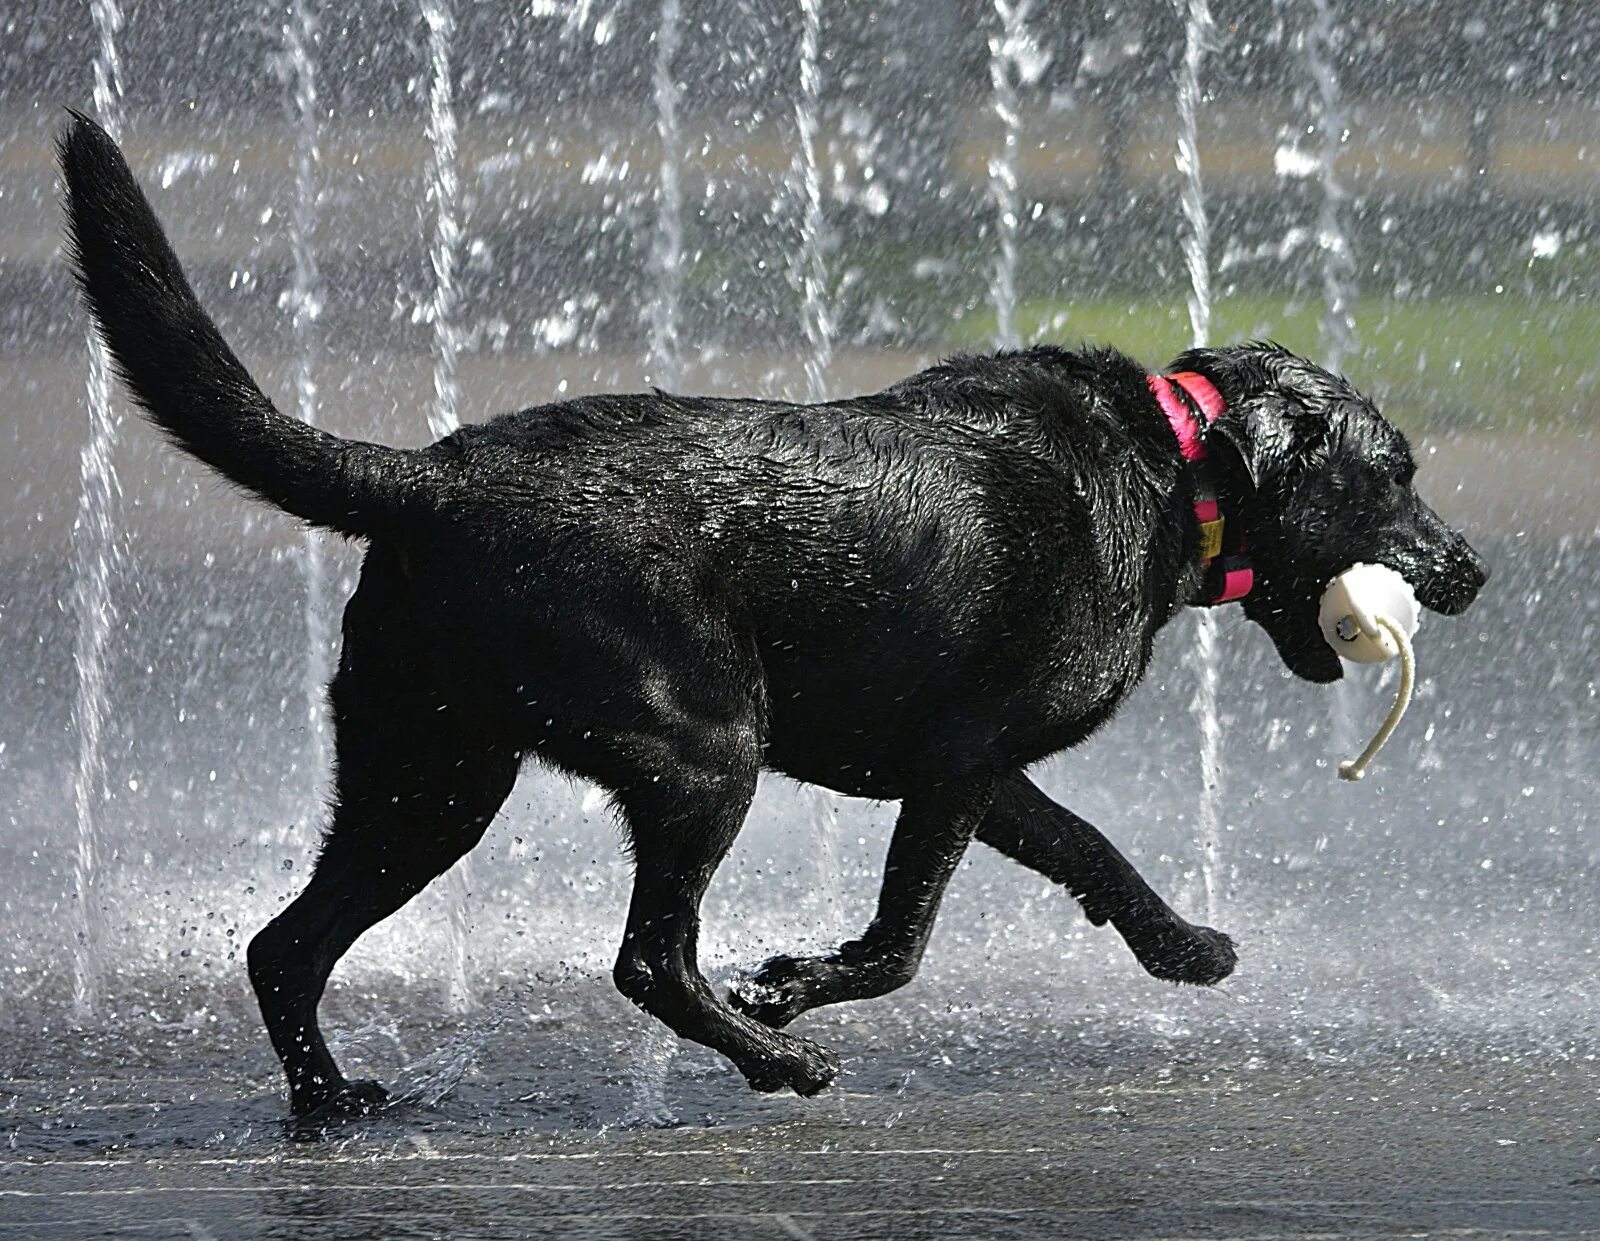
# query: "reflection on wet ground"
{"points": [[978, 1129]]}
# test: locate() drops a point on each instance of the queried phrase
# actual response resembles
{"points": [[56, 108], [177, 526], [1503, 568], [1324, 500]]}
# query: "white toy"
{"points": [[1368, 615]]}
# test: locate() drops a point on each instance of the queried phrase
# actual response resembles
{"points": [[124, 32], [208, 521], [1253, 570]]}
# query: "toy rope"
{"points": [[1356, 768]]}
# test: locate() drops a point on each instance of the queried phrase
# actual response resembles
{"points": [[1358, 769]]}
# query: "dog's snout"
{"points": [[1448, 571], [1455, 579]]}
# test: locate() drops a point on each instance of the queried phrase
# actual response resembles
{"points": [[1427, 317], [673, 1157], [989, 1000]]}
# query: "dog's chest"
{"points": [[868, 717]]}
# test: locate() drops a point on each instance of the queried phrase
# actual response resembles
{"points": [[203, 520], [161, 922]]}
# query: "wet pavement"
{"points": [[1206, 1139]]}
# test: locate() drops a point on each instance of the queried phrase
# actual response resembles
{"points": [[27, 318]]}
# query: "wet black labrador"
{"points": [[908, 596]]}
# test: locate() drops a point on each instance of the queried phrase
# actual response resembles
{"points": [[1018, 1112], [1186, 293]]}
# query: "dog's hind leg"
{"points": [[387, 841], [415, 789], [1027, 826], [930, 836]]}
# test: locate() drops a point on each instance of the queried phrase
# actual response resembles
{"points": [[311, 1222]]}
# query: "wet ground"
{"points": [[1001, 1133]]}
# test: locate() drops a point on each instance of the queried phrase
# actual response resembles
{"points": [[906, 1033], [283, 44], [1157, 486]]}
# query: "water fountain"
{"points": [[1013, 61], [1336, 337], [666, 255], [1320, 44], [809, 269], [304, 302], [1197, 34], [96, 565], [1425, 957], [444, 191]]}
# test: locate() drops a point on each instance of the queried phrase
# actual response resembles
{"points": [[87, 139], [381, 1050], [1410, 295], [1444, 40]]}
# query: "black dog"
{"points": [[909, 596]]}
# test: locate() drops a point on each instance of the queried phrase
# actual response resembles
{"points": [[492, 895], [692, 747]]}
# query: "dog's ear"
{"points": [[1260, 439]]}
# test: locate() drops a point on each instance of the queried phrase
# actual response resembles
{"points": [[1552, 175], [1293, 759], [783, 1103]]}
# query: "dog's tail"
{"points": [[183, 374]]}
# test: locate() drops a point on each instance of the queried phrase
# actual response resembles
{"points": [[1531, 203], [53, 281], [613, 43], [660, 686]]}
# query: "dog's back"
{"points": [[896, 559]]}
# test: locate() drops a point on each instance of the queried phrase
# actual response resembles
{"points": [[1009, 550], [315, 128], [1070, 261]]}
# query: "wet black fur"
{"points": [[911, 595]]}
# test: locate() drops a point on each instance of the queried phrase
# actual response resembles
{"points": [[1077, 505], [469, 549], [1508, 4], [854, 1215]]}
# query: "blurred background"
{"points": [[400, 214]]}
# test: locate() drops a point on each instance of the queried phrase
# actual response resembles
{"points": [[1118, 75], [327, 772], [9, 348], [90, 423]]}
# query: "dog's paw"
{"points": [[1185, 953], [350, 1101], [802, 1066], [782, 989]]}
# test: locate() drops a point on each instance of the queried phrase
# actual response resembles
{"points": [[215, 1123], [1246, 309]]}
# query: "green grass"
{"points": [[1453, 363]]}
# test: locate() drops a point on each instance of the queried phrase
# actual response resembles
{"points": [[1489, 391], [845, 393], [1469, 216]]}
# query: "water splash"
{"points": [[647, 1073], [1319, 45], [809, 270], [96, 564], [1013, 61], [304, 303], [430, 1079], [1197, 258], [667, 252], [809, 273], [1319, 50], [444, 192]]}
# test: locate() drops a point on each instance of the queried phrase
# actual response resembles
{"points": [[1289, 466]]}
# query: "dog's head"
{"points": [[1321, 481]]}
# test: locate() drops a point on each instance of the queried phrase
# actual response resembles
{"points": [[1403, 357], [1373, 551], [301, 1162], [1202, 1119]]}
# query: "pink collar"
{"points": [[1206, 398], [1228, 574]]}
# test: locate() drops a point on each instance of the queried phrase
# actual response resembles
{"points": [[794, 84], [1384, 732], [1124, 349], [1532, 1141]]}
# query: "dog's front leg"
{"points": [[682, 823], [930, 836], [1024, 824]]}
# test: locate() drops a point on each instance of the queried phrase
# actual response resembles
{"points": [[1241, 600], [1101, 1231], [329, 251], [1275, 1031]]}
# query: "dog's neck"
{"points": [[1190, 403]]}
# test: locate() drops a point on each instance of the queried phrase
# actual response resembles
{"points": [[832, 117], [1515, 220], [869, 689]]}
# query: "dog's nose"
{"points": [[1477, 567], [1457, 582]]}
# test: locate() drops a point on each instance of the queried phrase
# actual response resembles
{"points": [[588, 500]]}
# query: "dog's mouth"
{"points": [[1440, 566], [1291, 623], [1290, 616]]}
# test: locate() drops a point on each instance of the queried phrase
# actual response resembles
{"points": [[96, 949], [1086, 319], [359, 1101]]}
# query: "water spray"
{"points": [[1198, 30], [303, 300], [97, 564], [444, 191]]}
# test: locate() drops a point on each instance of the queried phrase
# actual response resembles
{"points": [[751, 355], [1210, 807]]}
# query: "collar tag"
{"points": [[1209, 516]]}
